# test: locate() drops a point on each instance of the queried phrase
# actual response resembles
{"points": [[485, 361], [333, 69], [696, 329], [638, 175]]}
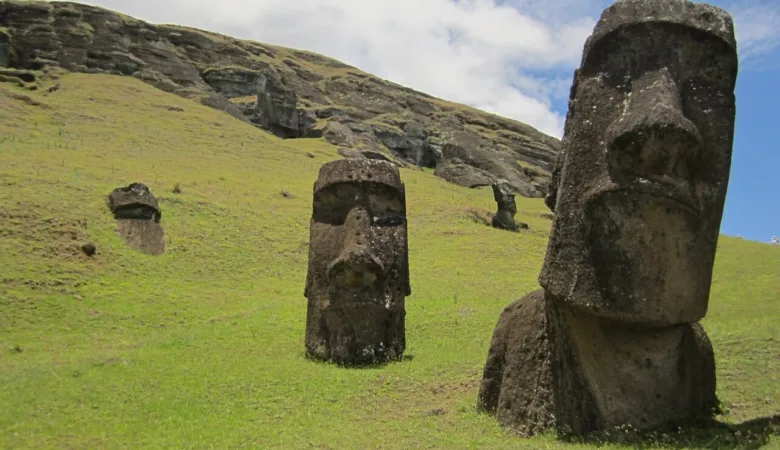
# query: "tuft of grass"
{"points": [[203, 346], [246, 99], [82, 29]]}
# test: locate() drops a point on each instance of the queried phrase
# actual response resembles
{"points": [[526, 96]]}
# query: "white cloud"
{"points": [[510, 57], [757, 25], [477, 52]]}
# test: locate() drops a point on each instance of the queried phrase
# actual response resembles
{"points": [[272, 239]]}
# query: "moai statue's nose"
{"points": [[356, 266], [652, 137]]}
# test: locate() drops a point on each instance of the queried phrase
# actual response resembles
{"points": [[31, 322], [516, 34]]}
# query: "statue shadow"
{"points": [[709, 434], [361, 365]]}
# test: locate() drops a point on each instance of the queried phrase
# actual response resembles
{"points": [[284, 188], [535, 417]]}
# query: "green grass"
{"points": [[203, 347]]}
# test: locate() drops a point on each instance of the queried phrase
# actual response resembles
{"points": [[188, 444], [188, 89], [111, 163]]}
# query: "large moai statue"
{"points": [[358, 274], [613, 337]]}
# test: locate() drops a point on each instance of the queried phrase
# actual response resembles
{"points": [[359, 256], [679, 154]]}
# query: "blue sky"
{"points": [[753, 200], [510, 57]]}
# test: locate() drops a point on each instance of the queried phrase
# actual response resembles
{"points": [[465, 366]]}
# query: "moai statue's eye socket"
{"points": [[388, 219], [332, 204], [386, 208]]}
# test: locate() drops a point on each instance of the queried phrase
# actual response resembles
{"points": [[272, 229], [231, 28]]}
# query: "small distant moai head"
{"points": [[507, 208], [137, 213], [135, 201], [358, 274], [505, 198], [642, 176]]}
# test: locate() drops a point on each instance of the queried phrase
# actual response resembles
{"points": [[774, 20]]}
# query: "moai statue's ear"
{"points": [[552, 190]]}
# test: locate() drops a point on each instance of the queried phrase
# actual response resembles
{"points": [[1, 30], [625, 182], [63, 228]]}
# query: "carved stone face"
{"points": [[358, 273], [505, 198], [645, 164], [137, 215]]}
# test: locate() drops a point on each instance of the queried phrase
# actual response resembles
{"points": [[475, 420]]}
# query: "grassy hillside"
{"points": [[203, 347], [312, 95]]}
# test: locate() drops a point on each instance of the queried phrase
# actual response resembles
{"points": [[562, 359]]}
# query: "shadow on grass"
{"points": [[710, 434], [360, 365]]}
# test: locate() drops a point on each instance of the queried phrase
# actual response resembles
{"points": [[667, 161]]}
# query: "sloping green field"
{"points": [[203, 347]]}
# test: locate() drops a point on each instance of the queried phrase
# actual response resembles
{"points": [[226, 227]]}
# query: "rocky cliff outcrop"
{"points": [[290, 93]]}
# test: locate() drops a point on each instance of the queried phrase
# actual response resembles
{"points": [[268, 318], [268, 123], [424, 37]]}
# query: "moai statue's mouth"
{"points": [[357, 283], [664, 193], [350, 276], [657, 163]]}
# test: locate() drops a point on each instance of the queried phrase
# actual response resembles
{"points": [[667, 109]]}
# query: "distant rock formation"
{"points": [[277, 110], [291, 93], [138, 215]]}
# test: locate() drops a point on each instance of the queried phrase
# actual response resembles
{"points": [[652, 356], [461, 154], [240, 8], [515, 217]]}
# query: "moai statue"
{"points": [[138, 215], [613, 338], [505, 199], [358, 274]]}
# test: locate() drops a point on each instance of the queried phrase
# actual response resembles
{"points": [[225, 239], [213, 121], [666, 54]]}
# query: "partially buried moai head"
{"points": [[645, 164], [358, 274]]}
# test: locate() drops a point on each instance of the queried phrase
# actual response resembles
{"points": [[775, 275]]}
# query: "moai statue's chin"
{"points": [[358, 274], [639, 188]]}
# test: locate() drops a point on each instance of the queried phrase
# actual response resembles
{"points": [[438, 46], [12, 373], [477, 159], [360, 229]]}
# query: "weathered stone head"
{"points": [[505, 198], [138, 215], [134, 201], [504, 218], [643, 173], [358, 274]]}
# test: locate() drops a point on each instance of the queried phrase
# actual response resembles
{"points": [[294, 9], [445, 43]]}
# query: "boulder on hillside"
{"points": [[364, 154], [463, 175]]}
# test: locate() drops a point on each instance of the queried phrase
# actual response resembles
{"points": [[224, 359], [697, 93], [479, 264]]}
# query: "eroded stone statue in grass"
{"points": [[138, 215], [504, 218], [613, 337], [358, 274]]}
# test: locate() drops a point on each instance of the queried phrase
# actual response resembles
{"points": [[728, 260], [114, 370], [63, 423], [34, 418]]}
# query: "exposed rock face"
{"points": [[463, 175], [5, 49], [504, 218], [290, 93], [613, 337], [234, 82], [138, 215], [350, 153], [277, 110], [358, 274]]}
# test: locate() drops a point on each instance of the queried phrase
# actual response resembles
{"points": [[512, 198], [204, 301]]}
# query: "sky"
{"points": [[510, 57]]}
